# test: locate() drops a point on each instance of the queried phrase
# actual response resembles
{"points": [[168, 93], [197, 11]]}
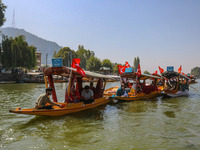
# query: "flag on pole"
{"points": [[121, 69], [75, 64], [127, 65], [161, 70], [180, 69], [75, 61], [139, 71]]}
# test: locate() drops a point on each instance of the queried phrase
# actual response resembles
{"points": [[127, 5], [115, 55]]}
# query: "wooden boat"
{"points": [[69, 106], [7, 82], [176, 84], [34, 77], [192, 79], [160, 82], [111, 91], [147, 83]]}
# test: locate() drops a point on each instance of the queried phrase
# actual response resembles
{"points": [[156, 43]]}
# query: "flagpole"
{"points": [[136, 84], [69, 84]]}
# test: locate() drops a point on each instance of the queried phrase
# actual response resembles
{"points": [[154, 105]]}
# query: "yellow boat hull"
{"points": [[67, 109], [111, 91], [140, 96]]}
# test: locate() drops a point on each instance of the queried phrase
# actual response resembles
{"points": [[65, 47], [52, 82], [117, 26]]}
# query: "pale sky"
{"points": [[160, 32]]}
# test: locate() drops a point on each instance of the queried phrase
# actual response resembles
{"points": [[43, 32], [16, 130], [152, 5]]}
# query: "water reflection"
{"points": [[156, 123]]}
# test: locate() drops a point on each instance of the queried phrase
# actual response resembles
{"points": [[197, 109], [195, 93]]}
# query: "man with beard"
{"points": [[44, 99]]}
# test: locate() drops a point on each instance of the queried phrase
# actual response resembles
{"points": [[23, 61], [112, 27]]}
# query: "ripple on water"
{"points": [[152, 124]]}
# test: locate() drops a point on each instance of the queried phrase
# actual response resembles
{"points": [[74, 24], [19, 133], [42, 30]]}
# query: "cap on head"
{"points": [[49, 89]]}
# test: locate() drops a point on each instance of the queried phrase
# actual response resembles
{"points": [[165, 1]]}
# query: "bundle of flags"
{"points": [[122, 68], [179, 70], [75, 64]]}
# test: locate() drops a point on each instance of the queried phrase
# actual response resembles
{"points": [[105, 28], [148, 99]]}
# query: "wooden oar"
{"points": [[194, 88]]}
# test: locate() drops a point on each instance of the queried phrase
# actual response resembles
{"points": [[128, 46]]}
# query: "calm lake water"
{"points": [[172, 123]]}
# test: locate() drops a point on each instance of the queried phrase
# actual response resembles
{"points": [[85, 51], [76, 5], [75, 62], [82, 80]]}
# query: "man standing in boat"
{"points": [[44, 99]]}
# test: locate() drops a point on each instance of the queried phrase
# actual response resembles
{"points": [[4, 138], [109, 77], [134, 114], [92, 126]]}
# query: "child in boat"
{"points": [[43, 99]]}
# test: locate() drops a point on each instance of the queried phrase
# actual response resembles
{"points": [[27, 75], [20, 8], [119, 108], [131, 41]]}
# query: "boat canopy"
{"points": [[143, 76], [171, 74], [65, 71]]}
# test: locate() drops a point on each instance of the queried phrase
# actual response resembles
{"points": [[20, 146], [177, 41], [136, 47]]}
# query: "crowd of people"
{"points": [[127, 89]]}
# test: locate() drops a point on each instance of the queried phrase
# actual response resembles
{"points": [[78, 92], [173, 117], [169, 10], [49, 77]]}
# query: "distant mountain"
{"points": [[43, 46]]}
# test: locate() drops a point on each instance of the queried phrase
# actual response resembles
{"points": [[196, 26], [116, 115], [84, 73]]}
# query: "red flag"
{"points": [[75, 61], [156, 72], [138, 71], [127, 65], [75, 64], [121, 69], [160, 69], [180, 69]]}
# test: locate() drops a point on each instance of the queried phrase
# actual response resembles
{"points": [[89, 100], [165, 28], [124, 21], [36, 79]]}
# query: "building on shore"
{"points": [[105, 70], [38, 59]]}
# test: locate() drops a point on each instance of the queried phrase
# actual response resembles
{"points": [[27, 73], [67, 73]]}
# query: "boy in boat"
{"points": [[87, 95], [44, 99]]}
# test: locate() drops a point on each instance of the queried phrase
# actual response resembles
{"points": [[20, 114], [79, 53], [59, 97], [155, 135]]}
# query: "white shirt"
{"points": [[87, 95]]}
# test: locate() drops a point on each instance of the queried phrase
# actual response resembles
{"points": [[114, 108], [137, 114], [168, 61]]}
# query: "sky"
{"points": [[160, 32]]}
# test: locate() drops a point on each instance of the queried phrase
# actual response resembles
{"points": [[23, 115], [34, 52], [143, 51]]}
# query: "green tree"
{"points": [[65, 53], [17, 53], [135, 64], [115, 68], [146, 72], [93, 64], [2, 13], [54, 54], [7, 52], [196, 71], [84, 55], [107, 63], [33, 56]]}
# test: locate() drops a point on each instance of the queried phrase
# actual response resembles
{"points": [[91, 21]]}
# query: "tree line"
{"points": [[17, 53], [88, 59], [196, 71]]}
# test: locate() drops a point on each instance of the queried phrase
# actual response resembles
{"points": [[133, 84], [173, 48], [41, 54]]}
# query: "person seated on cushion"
{"points": [[87, 95], [43, 99], [121, 91]]}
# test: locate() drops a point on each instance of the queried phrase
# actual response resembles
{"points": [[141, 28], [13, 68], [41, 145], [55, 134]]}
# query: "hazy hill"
{"points": [[43, 46]]}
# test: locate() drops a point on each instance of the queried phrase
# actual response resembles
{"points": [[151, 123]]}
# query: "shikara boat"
{"points": [[111, 91], [69, 106], [7, 82], [146, 87], [176, 84], [192, 79]]}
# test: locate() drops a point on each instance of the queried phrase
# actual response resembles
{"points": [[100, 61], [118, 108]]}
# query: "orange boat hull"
{"points": [[67, 109]]}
